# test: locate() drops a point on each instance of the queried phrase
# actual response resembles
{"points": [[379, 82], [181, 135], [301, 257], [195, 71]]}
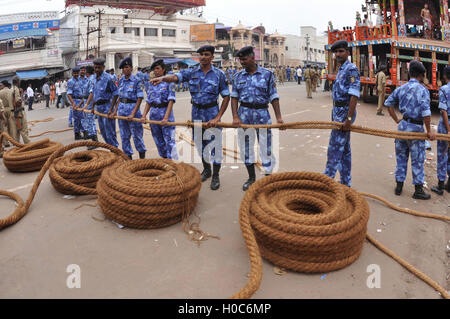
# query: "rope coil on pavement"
{"points": [[147, 194], [306, 222], [78, 173], [27, 157], [22, 208]]}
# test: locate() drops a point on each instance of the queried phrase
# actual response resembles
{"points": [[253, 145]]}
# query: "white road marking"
{"points": [[12, 190], [304, 111]]}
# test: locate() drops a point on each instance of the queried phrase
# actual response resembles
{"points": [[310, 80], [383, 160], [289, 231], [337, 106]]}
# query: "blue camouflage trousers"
{"points": [[128, 129], [247, 137], [89, 124], [443, 165], [70, 115], [208, 136], [404, 148], [339, 157], [107, 126], [164, 136], [78, 117]]}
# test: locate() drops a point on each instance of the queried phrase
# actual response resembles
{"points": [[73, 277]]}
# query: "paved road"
{"points": [[127, 263]]}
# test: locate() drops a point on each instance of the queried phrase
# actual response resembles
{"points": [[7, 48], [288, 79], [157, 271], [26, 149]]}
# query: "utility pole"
{"points": [[99, 12], [307, 48], [92, 18]]}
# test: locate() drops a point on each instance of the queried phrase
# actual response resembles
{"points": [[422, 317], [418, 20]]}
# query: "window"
{"points": [[287, 48], [112, 30], [169, 32], [137, 31], [151, 32]]}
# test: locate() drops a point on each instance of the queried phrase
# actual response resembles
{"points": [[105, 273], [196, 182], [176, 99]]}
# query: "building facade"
{"points": [[143, 34], [30, 45], [306, 48]]}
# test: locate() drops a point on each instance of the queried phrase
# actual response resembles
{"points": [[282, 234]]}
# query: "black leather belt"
{"points": [[255, 106], [77, 97], [127, 101], [205, 106], [407, 119], [340, 103], [101, 102], [160, 106]]}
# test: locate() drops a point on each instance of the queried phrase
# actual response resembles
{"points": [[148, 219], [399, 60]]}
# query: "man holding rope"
{"points": [[103, 89], [206, 83], [414, 104], [254, 87], [75, 96], [346, 91]]}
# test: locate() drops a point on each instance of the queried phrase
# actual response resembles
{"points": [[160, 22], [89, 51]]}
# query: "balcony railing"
{"points": [[361, 34]]}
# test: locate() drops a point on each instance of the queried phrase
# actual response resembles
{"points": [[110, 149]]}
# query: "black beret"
{"points": [[156, 63], [447, 72], [90, 69], [125, 62], [99, 61], [76, 69], [244, 52], [342, 44], [417, 67], [5, 83], [207, 48]]}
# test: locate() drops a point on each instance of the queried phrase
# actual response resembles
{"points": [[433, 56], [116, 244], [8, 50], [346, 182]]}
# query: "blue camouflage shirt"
{"points": [[75, 87], [259, 88], [444, 97], [413, 100], [161, 93], [131, 88], [103, 88], [347, 83], [205, 88]]}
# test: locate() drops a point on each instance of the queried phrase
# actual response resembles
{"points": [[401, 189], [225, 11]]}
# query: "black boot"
{"points": [[439, 189], [142, 155], [78, 136], [251, 177], [215, 182], [94, 139], [130, 157], [206, 174], [447, 186], [85, 135], [420, 194], [399, 189]]}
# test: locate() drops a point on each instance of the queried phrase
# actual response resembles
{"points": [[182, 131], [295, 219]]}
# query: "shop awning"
{"points": [[190, 62], [24, 34], [32, 75]]}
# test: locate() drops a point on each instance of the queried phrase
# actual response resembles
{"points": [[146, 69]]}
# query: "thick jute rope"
{"points": [[307, 222], [22, 208], [78, 173], [150, 193], [27, 157]]}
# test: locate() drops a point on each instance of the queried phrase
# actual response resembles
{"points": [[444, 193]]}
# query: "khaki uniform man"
{"points": [[381, 88], [8, 114], [19, 113], [3, 127], [315, 79], [280, 75], [308, 79]]}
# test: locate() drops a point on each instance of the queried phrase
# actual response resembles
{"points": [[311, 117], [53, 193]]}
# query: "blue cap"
{"points": [[207, 48], [76, 69], [126, 62], [245, 51], [99, 61], [158, 63], [341, 44]]}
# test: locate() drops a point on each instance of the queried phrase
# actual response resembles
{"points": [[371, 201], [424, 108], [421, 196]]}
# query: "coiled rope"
{"points": [[149, 193], [78, 173], [27, 157], [307, 222], [22, 208]]}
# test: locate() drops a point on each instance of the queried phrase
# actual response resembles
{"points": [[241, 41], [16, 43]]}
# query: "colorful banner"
{"points": [[18, 43], [203, 32], [50, 24]]}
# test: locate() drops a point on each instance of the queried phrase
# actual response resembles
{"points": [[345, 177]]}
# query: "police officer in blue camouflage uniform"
{"points": [[131, 94], [102, 90], [346, 91], [443, 165], [160, 100], [206, 83], [75, 96], [89, 118], [414, 104], [84, 82], [254, 88]]}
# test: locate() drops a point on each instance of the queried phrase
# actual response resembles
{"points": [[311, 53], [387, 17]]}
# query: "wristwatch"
{"points": [[349, 118]]}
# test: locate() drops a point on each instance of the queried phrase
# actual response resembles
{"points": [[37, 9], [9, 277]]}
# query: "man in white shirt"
{"points": [[299, 75], [30, 95], [63, 89], [58, 93], [46, 92]]}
